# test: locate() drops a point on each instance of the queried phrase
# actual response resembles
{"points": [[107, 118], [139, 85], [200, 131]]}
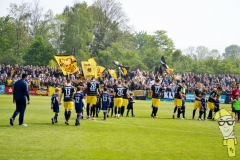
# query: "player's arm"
{"points": [[127, 94], [58, 100], [212, 96], [196, 96], [51, 103]]}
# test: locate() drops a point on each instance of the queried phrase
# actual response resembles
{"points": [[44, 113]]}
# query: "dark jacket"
{"points": [[20, 91]]}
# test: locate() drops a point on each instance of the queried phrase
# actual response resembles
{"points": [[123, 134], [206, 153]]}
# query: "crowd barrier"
{"points": [[138, 94]]}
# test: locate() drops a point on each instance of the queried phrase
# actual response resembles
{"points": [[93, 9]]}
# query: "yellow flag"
{"points": [[88, 70], [100, 71], [124, 70], [68, 64], [112, 73], [92, 61]]}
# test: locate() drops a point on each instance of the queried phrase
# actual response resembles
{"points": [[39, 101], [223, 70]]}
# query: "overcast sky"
{"points": [[211, 23]]}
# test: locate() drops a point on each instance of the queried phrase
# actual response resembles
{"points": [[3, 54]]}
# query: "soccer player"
{"points": [[130, 105], [92, 92], [184, 98], [175, 101], [78, 97], [55, 105], [203, 108], [111, 103], [179, 97], [212, 100], [233, 94], [98, 105], [105, 99], [156, 91], [125, 97], [198, 97], [118, 100], [236, 106], [20, 94], [67, 93], [217, 104]]}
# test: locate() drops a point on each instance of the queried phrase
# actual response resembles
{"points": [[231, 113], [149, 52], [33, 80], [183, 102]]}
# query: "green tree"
{"points": [[39, 53], [19, 15], [233, 50], [8, 42], [76, 33]]}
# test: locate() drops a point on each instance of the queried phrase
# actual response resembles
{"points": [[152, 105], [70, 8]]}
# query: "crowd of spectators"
{"points": [[138, 80]]}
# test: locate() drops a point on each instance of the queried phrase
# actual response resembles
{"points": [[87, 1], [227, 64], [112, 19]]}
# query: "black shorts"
{"points": [[111, 105], [78, 109], [56, 109], [104, 107]]}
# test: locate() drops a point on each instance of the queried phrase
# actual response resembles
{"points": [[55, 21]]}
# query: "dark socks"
{"points": [[204, 114], [193, 115], [175, 109], [156, 110], [179, 112], [93, 110], [183, 113], [115, 110], [132, 113], [119, 110], [105, 115], [66, 115], [112, 112], [210, 115], [79, 117], [122, 110], [55, 117], [88, 109]]}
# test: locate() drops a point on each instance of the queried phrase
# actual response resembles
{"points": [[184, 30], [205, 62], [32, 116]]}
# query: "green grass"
{"points": [[140, 138]]}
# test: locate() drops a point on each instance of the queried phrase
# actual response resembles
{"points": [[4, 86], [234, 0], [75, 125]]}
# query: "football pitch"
{"points": [[139, 138]]}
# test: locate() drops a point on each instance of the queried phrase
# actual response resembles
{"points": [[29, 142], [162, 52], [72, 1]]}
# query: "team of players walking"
{"points": [[98, 98]]}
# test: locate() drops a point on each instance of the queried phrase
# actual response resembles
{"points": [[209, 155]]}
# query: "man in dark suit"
{"points": [[20, 93]]}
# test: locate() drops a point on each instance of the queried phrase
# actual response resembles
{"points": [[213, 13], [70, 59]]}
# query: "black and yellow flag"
{"points": [[113, 73], [68, 64], [125, 70], [92, 62], [100, 71], [89, 70]]}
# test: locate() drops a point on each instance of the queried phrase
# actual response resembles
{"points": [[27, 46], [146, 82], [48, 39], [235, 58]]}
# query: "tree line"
{"points": [[30, 36]]}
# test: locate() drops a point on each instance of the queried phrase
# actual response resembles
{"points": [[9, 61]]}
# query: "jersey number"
{"points": [[93, 87], [68, 92], [120, 92]]}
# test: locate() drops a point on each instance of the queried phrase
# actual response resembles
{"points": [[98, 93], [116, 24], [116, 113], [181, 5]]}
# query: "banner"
{"points": [[113, 73], [32, 91], [100, 71], [42, 91], [68, 64], [2, 89], [92, 62], [125, 70], [8, 90], [140, 93], [89, 71], [51, 91], [190, 97]]}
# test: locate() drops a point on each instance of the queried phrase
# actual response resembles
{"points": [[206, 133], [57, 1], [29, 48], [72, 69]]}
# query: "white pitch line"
{"points": [[165, 129]]}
